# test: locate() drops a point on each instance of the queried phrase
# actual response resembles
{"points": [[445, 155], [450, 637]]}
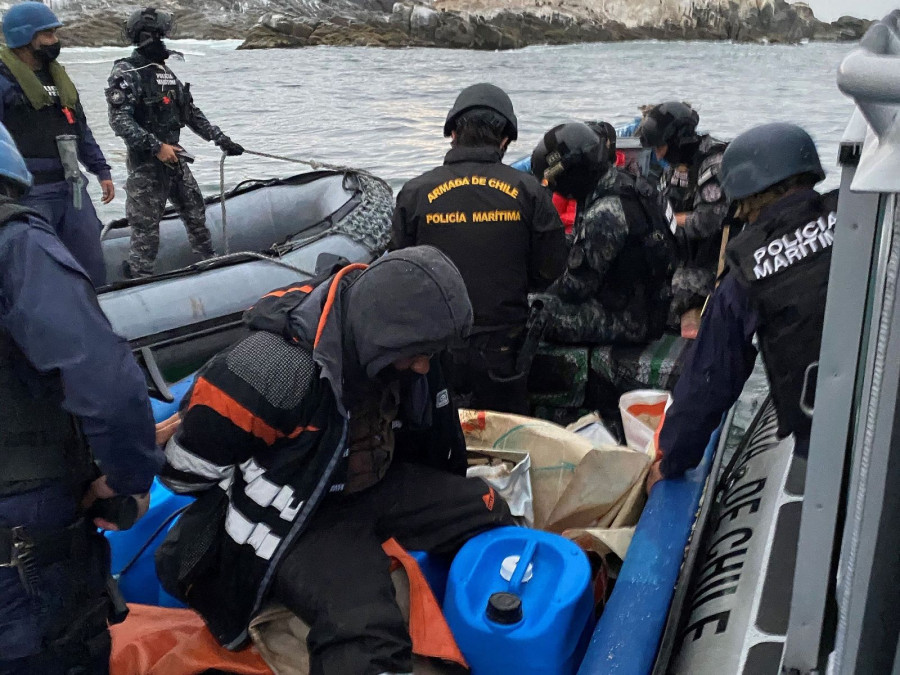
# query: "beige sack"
{"points": [[575, 485]]}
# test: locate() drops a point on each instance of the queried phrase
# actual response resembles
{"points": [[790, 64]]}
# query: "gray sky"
{"points": [[829, 10]]}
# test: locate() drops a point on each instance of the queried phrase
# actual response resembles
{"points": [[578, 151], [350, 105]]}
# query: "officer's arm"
{"points": [[591, 258], [89, 153], [404, 226], [719, 364], [221, 428], [121, 98], [198, 122], [549, 249], [50, 309], [710, 205]]}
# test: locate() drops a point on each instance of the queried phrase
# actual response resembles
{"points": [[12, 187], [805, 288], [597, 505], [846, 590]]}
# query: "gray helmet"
{"points": [[766, 155], [484, 95], [148, 23], [669, 123], [570, 159]]}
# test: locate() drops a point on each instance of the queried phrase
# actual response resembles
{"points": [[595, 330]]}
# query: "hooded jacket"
{"points": [[266, 421]]}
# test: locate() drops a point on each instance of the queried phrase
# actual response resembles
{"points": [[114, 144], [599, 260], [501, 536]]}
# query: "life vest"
{"points": [[783, 260], [39, 441], [567, 209], [35, 130]]}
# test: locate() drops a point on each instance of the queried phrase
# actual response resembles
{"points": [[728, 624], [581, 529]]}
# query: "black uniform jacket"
{"points": [[497, 225]]}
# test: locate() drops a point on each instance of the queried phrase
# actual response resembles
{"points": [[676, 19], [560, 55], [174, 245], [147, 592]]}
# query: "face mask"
{"points": [[47, 54], [155, 51]]}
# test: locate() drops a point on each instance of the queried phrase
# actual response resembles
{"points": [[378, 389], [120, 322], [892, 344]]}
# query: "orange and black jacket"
{"points": [[265, 422]]}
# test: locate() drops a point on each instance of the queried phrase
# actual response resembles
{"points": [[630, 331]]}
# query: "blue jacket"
{"points": [[717, 366], [49, 309], [89, 153]]}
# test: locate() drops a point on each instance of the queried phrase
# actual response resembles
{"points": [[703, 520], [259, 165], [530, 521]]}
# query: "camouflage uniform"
{"points": [[148, 106], [606, 294], [695, 189]]}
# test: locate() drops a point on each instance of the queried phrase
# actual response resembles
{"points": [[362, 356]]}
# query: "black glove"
{"points": [[229, 147]]}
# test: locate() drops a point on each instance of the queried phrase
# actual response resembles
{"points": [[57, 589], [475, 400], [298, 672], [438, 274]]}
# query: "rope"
{"points": [[312, 163], [256, 256]]}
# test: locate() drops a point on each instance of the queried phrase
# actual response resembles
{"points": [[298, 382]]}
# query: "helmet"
{"points": [[12, 165], [669, 123], [607, 133], [22, 21], [766, 155], [570, 158], [483, 95], [148, 23]]}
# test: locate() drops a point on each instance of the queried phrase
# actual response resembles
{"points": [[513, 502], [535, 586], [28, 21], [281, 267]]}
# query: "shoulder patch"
{"points": [[442, 400], [711, 192], [115, 96]]}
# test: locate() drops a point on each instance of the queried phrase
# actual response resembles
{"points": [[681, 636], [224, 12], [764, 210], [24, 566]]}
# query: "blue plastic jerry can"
{"points": [[133, 550], [163, 410], [519, 602]]}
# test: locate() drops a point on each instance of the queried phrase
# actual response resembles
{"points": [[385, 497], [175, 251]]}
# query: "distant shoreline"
{"points": [[368, 23]]}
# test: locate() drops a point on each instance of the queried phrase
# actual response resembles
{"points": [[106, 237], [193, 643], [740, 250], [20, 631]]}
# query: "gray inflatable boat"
{"points": [[276, 230]]}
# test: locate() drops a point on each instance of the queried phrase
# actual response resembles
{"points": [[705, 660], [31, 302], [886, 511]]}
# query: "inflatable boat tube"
{"points": [[190, 310], [627, 636]]}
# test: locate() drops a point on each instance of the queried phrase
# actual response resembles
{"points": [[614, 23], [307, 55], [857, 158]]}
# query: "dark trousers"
{"points": [[336, 577], [60, 627], [150, 185], [78, 229], [484, 376]]}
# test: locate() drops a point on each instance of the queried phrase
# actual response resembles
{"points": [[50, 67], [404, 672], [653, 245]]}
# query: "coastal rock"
{"points": [[464, 24]]}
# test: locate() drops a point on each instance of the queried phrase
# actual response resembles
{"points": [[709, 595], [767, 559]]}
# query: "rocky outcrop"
{"points": [[478, 24], [464, 24]]}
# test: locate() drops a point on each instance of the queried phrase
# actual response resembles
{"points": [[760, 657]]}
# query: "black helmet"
{"points": [[766, 155], [669, 123], [606, 133], [570, 158], [148, 23], [483, 95]]}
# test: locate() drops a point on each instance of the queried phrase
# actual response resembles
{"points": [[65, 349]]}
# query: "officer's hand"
{"points": [[98, 490], [690, 323], [109, 191], [681, 219], [167, 155], [142, 503], [167, 428], [230, 148], [654, 475]]}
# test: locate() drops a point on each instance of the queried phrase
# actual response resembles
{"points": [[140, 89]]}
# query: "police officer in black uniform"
{"points": [[499, 227], [71, 395], [691, 184], [617, 285], [774, 286], [148, 106]]}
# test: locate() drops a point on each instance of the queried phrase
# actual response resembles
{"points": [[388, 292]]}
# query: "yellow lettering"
{"points": [[479, 180], [497, 216], [445, 218]]}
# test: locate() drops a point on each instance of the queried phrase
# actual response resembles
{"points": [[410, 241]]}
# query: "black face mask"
{"points": [[155, 51], [47, 54], [577, 183], [682, 153]]}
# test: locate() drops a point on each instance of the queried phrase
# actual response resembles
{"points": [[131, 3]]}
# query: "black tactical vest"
{"points": [[39, 441], [783, 260], [648, 260], [163, 100]]}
